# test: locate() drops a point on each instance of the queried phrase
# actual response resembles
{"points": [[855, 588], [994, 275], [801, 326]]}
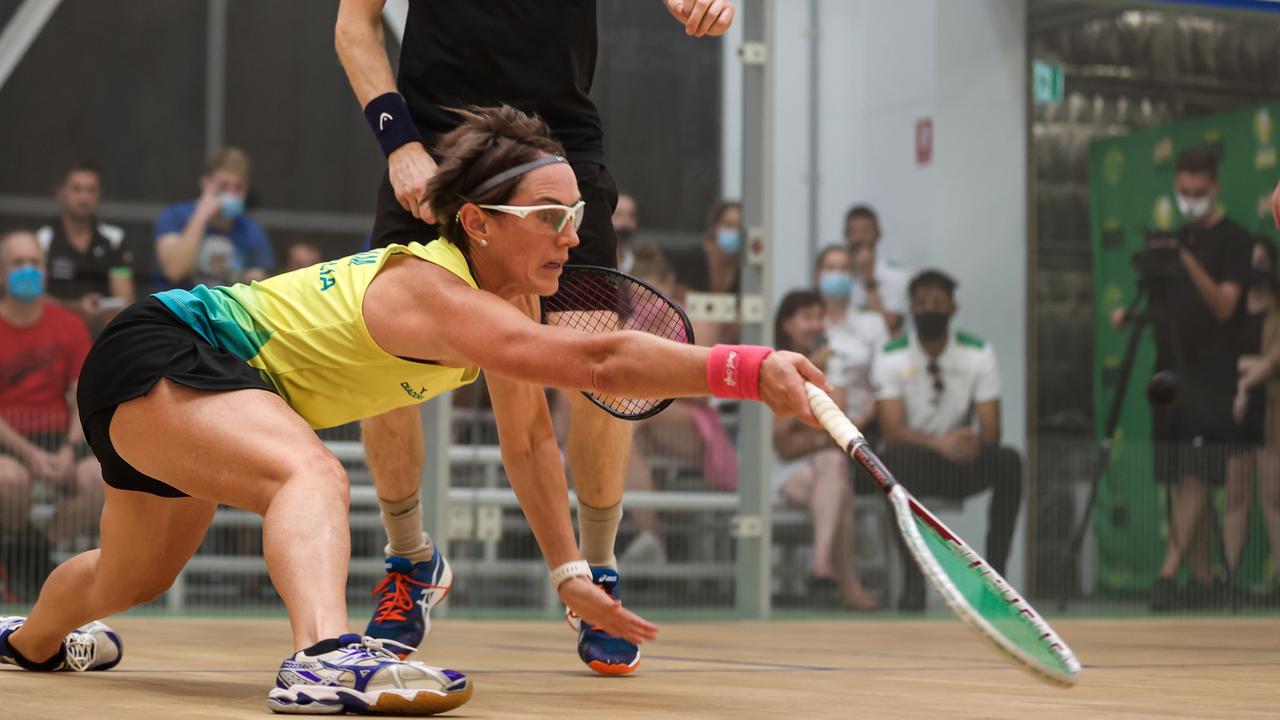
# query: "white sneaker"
{"points": [[89, 647], [645, 549], [362, 675]]}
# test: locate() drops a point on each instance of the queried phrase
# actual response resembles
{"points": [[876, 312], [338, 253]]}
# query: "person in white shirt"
{"points": [[938, 399], [881, 286], [853, 335]]}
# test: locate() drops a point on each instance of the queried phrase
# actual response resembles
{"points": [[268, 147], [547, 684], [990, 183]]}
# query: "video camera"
{"points": [[1159, 259]]}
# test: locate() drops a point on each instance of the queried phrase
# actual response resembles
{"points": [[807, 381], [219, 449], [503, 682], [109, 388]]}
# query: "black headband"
{"points": [[515, 172]]}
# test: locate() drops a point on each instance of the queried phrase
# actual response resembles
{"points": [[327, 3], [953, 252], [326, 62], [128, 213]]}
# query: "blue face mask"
{"points": [[26, 283], [729, 241], [835, 284], [232, 206]]}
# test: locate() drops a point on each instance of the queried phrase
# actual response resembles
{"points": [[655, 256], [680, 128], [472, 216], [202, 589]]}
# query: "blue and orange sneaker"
{"points": [[362, 676], [602, 652], [89, 647], [405, 598]]}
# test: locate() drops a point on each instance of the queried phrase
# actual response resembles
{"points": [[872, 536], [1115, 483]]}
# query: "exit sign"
{"points": [[1048, 82]]}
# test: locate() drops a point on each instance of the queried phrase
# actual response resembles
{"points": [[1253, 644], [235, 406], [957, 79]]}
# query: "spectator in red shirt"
{"points": [[41, 348]]}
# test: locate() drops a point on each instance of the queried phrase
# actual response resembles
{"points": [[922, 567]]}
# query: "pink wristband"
{"points": [[733, 371]]}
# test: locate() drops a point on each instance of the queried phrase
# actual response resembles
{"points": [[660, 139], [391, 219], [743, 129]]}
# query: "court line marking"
{"points": [[710, 661]]}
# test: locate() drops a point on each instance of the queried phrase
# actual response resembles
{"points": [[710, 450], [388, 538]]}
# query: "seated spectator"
{"points": [[41, 348], [853, 336], [879, 286], [301, 254], [815, 474], [931, 387], [689, 429], [626, 219], [90, 266], [713, 268], [1257, 412], [210, 240]]}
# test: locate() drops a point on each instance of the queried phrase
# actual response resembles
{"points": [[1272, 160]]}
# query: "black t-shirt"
{"points": [[537, 55], [73, 274], [1209, 347]]}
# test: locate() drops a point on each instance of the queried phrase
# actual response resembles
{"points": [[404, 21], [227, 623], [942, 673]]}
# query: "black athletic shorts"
{"points": [[598, 243], [144, 343]]}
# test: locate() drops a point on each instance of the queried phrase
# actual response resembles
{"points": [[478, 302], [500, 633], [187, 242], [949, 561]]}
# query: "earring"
{"points": [[482, 242]]}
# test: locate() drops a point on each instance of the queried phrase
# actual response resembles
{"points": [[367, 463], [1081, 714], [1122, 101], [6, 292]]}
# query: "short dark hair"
{"points": [[932, 279], [80, 165], [1199, 160], [792, 303], [865, 212], [489, 141]]}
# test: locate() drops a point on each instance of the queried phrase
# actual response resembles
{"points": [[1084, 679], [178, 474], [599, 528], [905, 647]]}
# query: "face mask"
{"points": [[729, 241], [835, 284], [1260, 278], [232, 206], [1194, 208], [26, 283], [931, 326]]}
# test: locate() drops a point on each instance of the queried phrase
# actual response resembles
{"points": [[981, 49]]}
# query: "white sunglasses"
{"points": [[554, 217]]}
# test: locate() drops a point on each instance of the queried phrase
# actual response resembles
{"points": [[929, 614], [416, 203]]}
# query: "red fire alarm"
{"points": [[924, 141]]}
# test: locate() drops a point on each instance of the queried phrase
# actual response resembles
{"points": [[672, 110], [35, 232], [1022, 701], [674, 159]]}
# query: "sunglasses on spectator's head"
{"points": [[935, 372]]}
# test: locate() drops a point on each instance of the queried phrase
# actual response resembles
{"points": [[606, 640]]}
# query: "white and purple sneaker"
{"points": [[89, 647], [364, 676]]}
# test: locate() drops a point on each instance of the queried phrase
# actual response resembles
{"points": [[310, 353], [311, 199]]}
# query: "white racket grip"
{"points": [[839, 426]]}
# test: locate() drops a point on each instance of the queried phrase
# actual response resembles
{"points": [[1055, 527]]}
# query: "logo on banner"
{"points": [[1113, 166], [1265, 156], [1162, 213]]}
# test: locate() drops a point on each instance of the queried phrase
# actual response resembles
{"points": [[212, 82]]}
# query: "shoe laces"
{"points": [[395, 600], [372, 647], [82, 650]]}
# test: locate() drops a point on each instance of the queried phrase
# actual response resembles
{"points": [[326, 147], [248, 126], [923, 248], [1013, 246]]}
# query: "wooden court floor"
{"points": [[1138, 668]]}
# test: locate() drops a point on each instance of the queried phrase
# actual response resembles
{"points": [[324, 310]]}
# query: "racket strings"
{"points": [[596, 302]]}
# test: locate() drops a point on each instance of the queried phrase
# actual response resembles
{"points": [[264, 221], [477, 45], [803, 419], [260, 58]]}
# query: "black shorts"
{"points": [[598, 243], [144, 343]]}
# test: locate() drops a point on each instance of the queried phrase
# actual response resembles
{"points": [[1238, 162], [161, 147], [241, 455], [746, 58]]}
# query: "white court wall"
{"points": [[882, 67]]}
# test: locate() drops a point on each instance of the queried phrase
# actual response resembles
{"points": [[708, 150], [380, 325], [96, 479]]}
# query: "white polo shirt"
{"points": [[937, 402], [893, 280], [854, 344]]}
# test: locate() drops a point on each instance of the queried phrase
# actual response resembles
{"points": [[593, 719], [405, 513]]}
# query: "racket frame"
{"points": [[905, 509], [684, 319]]}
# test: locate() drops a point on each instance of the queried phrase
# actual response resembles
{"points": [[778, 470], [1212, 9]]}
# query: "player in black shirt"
{"points": [[539, 56], [90, 266]]}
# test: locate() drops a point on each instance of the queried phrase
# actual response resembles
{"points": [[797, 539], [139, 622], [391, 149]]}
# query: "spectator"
{"points": [[1257, 410], [815, 474], [880, 286], [302, 254], [1201, 272], [715, 268], [689, 429], [210, 240], [853, 336], [90, 266], [931, 386], [625, 222], [41, 348]]}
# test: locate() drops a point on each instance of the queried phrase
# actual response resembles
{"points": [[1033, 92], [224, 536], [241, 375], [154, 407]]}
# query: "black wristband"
{"points": [[390, 121]]}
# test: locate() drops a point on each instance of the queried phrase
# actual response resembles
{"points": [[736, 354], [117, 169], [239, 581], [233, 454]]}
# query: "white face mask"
{"points": [[1194, 208]]}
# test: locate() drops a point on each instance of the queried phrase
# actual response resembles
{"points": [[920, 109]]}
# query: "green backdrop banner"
{"points": [[1130, 193]]}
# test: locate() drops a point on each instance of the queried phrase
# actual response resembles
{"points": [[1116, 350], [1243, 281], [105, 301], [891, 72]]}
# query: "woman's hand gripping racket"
{"points": [[975, 592], [599, 300]]}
